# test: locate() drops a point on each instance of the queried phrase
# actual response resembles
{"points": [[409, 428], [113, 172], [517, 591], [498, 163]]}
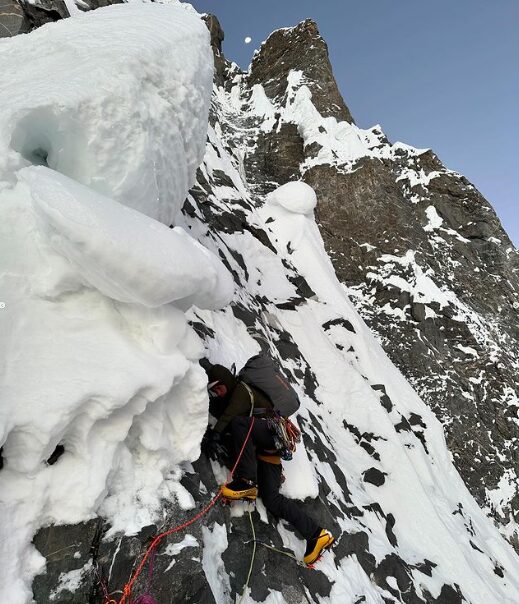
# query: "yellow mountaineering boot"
{"points": [[240, 489], [315, 547]]}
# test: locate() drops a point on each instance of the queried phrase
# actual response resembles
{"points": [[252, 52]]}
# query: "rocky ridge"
{"points": [[422, 254]]}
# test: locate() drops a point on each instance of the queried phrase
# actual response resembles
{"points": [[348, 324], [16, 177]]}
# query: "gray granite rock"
{"points": [[13, 20]]}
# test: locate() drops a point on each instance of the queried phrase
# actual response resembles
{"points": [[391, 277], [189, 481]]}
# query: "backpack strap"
{"points": [[251, 395]]}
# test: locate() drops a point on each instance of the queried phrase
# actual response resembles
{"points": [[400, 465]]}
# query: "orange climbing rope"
{"points": [[127, 591]]}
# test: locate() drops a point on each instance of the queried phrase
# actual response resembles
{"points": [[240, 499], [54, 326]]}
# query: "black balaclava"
{"points": [[224, 376]]}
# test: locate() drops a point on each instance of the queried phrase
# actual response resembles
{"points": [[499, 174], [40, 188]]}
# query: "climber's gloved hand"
{"points": [[211, 443]]}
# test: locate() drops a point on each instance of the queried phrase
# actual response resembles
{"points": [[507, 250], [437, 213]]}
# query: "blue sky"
{"points": [[441, 74]]}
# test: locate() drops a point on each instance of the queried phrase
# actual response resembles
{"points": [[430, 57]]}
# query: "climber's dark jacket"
{"points": [[238, 399]]}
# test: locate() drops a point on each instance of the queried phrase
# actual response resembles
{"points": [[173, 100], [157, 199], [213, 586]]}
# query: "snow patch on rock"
{"points": [[296, 197]]}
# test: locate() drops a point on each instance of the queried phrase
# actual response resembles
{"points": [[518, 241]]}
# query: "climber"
{"points": [[259, 470]]}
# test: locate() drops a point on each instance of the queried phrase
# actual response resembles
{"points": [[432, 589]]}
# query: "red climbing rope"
{"points": [[127, 591]]}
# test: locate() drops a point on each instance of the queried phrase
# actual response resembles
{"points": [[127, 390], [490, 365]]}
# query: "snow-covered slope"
{"points": [[378, 453], [118, 385], [105, 130]]}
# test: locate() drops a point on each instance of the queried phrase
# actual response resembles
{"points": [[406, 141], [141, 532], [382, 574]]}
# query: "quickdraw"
{"points": [[285, 433]]}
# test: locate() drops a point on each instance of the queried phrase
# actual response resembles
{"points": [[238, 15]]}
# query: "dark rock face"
{"points": [[13, 20], [461, 357], [68, 551], [299, 48], [278, 155], [217, 37], [20, 17], [44, 11], [375, 476]]}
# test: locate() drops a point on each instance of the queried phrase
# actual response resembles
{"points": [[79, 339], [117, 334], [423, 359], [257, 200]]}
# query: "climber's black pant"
{"points": [[267, 475], [260, 440]]}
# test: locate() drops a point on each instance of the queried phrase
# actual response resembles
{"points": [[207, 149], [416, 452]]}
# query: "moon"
{"points": [[248, 40]]}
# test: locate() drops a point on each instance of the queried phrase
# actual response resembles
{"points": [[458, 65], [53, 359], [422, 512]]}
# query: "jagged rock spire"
{"points": [[217, 37], [299, 48]]}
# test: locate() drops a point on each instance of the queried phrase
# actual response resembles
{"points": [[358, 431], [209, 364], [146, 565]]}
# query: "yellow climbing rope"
{"points": [[280, 551], [252, 558]]}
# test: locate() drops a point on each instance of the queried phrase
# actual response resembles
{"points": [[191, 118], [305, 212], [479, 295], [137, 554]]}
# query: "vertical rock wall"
{"points": [[422, 253]]}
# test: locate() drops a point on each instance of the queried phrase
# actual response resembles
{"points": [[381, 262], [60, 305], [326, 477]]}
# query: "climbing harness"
{"points": [[285, 433], [150, 552]]}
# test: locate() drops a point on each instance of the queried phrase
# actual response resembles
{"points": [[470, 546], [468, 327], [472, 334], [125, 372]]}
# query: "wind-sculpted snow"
{"points": [[121, 252], [295, 197], [102, 394], [89, 97]]}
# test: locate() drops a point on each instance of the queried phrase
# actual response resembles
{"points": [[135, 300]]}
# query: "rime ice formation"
{"points": [[106, 130], [97, 354]]}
